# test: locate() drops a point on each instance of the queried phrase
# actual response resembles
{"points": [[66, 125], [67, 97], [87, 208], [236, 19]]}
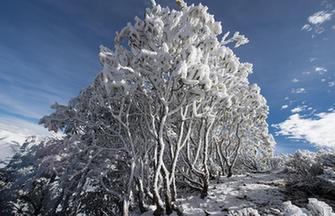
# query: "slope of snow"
{"points": [[13, 132]]}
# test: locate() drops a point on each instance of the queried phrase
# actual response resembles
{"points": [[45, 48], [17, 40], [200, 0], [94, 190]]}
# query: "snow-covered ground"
{"points": [[264, 192], [249, 195]]}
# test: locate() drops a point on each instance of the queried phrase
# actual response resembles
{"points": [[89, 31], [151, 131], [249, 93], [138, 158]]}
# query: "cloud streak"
{"points": [[298, 91], [320, 70], [298, 109], [284, 106], [317, 130], [316, 21], [319, 17]]}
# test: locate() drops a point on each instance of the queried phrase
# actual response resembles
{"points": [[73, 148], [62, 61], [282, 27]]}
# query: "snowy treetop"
{"points": [[175, 46]]}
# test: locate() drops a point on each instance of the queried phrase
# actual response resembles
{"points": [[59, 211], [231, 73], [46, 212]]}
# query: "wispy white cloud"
{"points": [[298, 91], [331, 84], [319, 17], [21, 107], [320, 70], [284, 106], [317, 20], [317, 130], [312, 59], [295, 80], [307, 27], [298, 109]]}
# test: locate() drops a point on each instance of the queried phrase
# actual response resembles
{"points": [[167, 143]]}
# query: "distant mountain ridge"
{"points": [[13, 133]]}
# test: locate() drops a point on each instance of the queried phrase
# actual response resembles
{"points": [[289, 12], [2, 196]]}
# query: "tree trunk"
{"points": [[140, 194], [204, 192], [125, 207], [218, 149], [168, 199], [230, 171], [174, 189], [230, 168], [160, 210]]}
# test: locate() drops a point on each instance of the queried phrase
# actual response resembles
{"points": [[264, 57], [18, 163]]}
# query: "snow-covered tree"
{"points": [[104, 125], [172, 101]]}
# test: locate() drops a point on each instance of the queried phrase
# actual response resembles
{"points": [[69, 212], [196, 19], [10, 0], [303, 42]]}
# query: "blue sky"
{"points": [[49, 52]]}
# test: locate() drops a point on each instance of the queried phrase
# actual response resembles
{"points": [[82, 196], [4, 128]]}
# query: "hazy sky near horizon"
{"points": [[49, 52]]}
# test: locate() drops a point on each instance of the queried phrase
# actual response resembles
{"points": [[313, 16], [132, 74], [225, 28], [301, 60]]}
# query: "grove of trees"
{"points": [[171, 109]]}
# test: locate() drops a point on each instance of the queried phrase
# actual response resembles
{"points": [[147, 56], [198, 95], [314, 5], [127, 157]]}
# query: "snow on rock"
{"points": [[314, 208], [319, 208], [292, 210]]}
